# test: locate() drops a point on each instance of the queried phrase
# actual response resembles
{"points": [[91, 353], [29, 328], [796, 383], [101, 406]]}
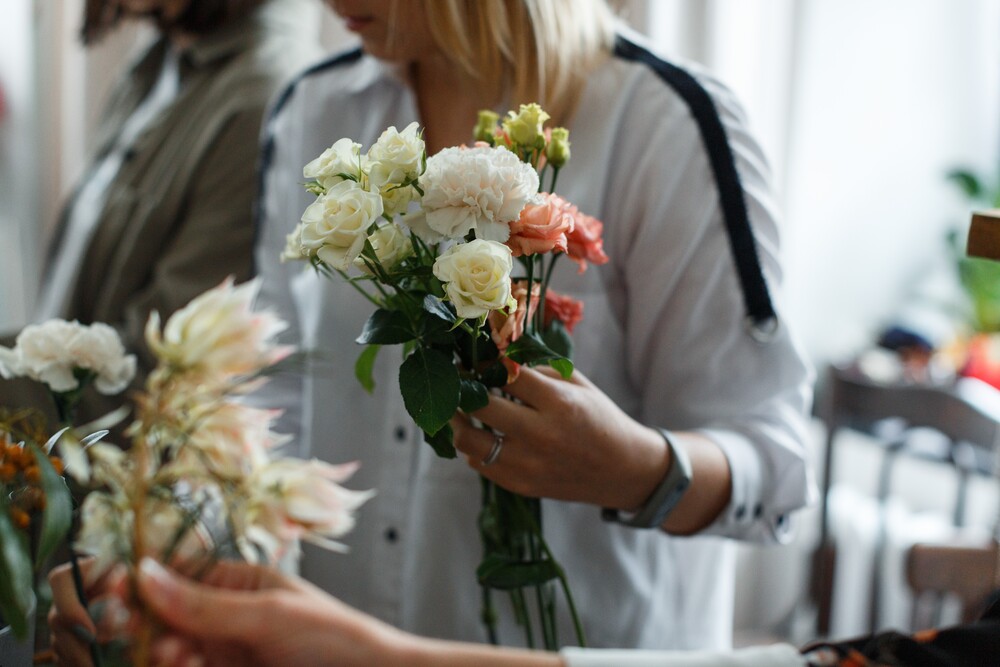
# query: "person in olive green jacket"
{"points": [[164, 211]]}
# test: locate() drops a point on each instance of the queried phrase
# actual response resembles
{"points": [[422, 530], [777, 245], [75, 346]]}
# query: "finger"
{"points": [[504, 415], [66, 608], [474, 442], [71, 647], [536, 388], [241, 576], [172, 651], [200, 611]]}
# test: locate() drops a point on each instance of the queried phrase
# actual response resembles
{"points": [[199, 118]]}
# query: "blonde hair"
{"points": [[530, 50]]}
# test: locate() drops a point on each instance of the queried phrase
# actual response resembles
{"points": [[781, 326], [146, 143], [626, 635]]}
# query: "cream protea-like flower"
{"points": [[218, 335], [479, 189], [50, 353], [476, 277], [293, 500], [231, 440]]}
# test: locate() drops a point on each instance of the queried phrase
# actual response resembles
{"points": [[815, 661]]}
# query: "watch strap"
{"points": [[665, 496]]}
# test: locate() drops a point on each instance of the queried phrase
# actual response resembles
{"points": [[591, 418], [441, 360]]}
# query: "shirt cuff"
{"points": [[746, 517], [775, 655]]}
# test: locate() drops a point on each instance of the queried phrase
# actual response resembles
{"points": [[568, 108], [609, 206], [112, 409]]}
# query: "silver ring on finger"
{"points": [[495, 451]]}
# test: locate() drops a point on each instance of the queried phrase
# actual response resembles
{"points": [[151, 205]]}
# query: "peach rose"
{"points": [[542, 227], [505, 326], [584, 243], [566, 309]]}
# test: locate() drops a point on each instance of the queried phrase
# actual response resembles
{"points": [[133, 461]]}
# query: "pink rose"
{"points": [[566, 309], [542, 227], [584, 243]]}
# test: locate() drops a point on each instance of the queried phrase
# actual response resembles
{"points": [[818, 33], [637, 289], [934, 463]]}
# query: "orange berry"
{"points": [[33, 474], [20, 517], [7, 472], [57, 464]]}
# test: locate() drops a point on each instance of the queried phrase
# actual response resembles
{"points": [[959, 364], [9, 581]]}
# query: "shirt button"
{"points": [[741, 511], [391, 535], [400, 433], [758, 510]]}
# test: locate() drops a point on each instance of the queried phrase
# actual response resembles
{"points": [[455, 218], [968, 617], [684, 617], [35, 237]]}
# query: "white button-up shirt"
{"points": [[662, 335]]}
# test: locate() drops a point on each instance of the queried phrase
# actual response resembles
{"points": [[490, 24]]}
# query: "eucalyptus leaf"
{"points": [[431, 388], [386, 327], [364, 367], [442, 442], [16, 576], [502, 573], [58, 513], [968, 182], [474, 396]]}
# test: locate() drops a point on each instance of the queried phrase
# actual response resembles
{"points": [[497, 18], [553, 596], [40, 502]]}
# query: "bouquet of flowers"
{"points": [[201, 479], [35, 504], [431, 243]]}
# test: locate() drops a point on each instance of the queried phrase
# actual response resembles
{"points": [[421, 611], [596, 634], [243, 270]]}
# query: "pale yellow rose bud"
{"points": [[557, 152], [486, 126], [525, 127]]}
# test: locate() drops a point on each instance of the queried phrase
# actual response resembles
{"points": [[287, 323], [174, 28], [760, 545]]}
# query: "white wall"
{"points": [[889, 95]]}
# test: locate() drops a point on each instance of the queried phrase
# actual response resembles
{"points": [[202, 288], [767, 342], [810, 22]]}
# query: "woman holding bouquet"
{"points": [[661, 154]]}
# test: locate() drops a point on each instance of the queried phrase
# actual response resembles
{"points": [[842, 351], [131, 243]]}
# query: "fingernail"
{"points": [[155, 572], [83, 634]]}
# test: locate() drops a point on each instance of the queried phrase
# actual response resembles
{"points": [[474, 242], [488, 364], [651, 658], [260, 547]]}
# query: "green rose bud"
{"points": [[557, 152], [525, 127], [486, 126]]}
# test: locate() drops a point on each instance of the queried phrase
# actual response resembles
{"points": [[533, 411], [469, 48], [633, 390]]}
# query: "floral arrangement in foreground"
{"points": [[431, 243], [200, 479]]}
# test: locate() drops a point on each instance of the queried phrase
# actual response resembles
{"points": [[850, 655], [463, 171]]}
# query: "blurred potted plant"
{"points": [[980, 281]]}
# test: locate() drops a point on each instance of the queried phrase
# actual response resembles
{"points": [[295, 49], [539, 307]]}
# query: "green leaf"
{"points": [[430, 385], [16, 595], [58, 512], [439, 309], [500, 572], [364, 367], [475, 395], [494, 375], [967, 182], [557, 339], [528, 349], [442, 442], [386, 327]]}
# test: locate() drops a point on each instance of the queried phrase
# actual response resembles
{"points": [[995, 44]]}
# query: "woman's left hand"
{"points": [[564, 439]]}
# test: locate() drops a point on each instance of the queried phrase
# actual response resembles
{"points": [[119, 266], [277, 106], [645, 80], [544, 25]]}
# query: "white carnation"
{"points": [[50, 353], [481, 189]]}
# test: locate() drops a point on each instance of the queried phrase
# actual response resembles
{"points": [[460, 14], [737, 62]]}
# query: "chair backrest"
{"points": [[969, 573], [847, 399]]}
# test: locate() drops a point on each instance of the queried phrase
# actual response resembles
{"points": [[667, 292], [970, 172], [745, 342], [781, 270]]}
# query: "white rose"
{"points": [[293, 246], [335, 226], [481, 189], [396, 158], [344, 157], [391, 245], [218, 335], [477, 277]]}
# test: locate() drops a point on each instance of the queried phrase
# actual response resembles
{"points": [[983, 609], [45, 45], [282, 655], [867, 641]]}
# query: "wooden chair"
{"points": [[969, 573], [900, 417]]}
